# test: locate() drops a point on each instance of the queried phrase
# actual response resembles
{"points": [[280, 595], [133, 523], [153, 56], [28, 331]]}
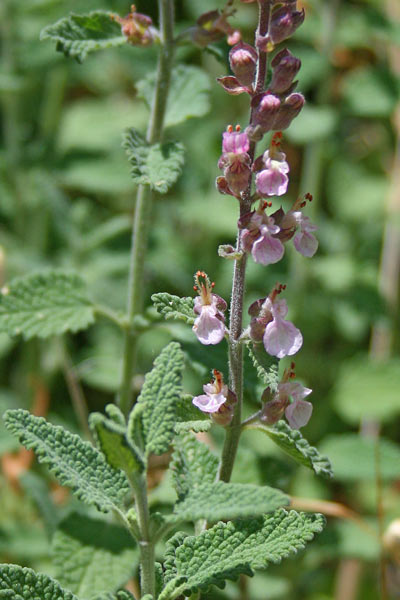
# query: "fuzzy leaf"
{"points": [[173, 307], [45, 304], [192, 465], [219, 500], [267, 366], [229, 549], [156, 405], [188, 96], [75, 463], [91, 556], [79, 35], [18, 583], [157, 165], [120, 452], [292, 442]]}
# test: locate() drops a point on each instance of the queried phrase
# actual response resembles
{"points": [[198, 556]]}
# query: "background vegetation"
{"points": [[66, 201]]}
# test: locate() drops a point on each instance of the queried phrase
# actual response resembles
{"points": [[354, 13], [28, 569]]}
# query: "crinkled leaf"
{"points": [[120, 452], [75, 463], [292, 442], [79, 35], [219, 500], [157, 165], [155, 409], [91, 556], [173, 307], [18, 583], [45, 304], [354, 457], [189, 417], [188, 96], [267, 366], [229, 549], [192, 464]]}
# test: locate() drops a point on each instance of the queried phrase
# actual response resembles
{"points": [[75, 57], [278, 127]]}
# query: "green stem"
{"points": [[146, 545], [143, 212], [233, 431]]}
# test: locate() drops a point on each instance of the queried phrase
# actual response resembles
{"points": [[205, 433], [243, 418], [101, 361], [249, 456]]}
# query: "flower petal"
{"points": [[298, 413], [209, 403], [282, 338], [208, 327], [267, 250], [272, 182], [305, 243]]}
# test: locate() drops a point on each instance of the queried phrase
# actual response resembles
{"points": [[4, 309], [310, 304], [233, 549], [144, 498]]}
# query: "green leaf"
{"points": [[267, 366], [229, 549], [219, 500], [79, 35], [156, 405], [192, 464], [188, 96], [157, 165], [189, 417], [45, 304], [354, 457], [367, 389], [173, 307], [18, 583], [120, 452], [91, 556], [292, 442], [75, 463]]}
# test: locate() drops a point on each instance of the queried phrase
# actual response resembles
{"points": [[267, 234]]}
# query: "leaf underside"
{"points": [[157, 165], [79, 35], [292, 442], [92, 556], [219, 500], [45, 304], [75, 463]]}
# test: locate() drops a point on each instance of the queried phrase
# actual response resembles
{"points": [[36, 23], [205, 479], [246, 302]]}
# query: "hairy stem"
{"points": [[146, 545], [238, 286], [143, 209]]}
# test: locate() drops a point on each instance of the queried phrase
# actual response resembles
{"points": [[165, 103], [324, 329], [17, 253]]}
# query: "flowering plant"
{"points": [[237, 527]]}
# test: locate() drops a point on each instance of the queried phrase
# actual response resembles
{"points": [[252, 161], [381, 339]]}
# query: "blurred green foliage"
{"points": [[66, 200]]}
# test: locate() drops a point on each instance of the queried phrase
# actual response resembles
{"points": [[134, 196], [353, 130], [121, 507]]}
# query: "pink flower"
{"points": [[288, 400], [218, 400], [258, 239], [273, 180], [209, 326], [281, 337], [304, 241], [215, 396]]}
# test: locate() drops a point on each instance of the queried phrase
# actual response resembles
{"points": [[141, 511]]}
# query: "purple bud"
{"points": [[285, 68], [243, 61], [288, 111], [284, 22], [237, 176], [273, 411], [265, 108]]}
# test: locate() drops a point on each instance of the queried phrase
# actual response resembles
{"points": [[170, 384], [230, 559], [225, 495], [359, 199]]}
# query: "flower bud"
{"points": [[285, 68], [137, 28], [284, 22], [265, 108], [288, 111], [243, 61]]}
